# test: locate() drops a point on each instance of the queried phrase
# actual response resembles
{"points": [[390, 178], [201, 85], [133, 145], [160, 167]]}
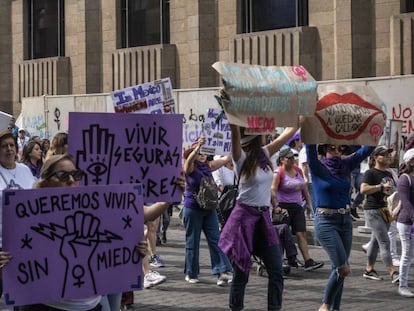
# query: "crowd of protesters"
{"points": [[281, 175]]}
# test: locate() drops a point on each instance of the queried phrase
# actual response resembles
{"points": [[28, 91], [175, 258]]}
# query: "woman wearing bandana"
{"points": [[331, 180], [249, 229]]}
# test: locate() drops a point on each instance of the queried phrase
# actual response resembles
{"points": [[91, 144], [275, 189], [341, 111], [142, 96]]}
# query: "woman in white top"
{"points": [[224, 176], [249, 228], [13, 175]]}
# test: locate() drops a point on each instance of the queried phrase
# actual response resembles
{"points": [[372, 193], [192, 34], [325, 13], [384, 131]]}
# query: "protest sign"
{"points": [[345, 114], [150, 97], [4, 120], [123, 148], [71, 242], [216, 129], [262, 98]]}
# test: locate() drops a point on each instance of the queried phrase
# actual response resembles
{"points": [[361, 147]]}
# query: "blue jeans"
{"points": [[407, 252], [379, 238], [195, 221], [356, 181], [272, 260], [312, 200], [111, 302], [334, 233]]}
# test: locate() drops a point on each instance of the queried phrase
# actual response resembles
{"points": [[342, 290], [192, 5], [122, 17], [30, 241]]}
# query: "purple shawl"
{"points": [[236, 239]]}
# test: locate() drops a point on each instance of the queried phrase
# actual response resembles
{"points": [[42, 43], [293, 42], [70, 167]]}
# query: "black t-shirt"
{"points": [[374, 177]]}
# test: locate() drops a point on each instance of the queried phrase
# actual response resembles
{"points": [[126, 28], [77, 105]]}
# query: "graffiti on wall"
{"points": [[403, 113], [36, 125]]}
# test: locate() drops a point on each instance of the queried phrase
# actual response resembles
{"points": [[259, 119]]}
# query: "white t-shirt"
{"points": [[224, 176], [19, 178], [255, 191], [303, 159], [81, 304]]}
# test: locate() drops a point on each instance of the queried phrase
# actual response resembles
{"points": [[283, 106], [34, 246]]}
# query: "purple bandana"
{"points": [[336, 167]]}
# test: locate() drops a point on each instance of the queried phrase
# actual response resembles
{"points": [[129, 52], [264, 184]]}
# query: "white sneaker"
{"points": [[364, 248], [405, 292], [225, 277], [190, 280], [395, 262], [153, 278]]}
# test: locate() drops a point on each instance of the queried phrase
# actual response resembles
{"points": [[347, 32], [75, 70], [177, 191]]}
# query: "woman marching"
{"points": [[249, 229], [331, 180]]}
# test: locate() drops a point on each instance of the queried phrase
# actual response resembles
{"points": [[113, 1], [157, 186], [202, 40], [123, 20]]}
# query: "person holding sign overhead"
{"points": [[249, 229], [331, 179], [197, 219]]}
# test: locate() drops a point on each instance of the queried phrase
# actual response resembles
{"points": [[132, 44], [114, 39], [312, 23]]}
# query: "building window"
{"points": [[45, 28], [261, 15], [409, 6], [144, 22]]}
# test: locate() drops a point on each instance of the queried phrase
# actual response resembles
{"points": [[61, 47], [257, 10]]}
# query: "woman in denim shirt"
{"points": [[331, 180]]}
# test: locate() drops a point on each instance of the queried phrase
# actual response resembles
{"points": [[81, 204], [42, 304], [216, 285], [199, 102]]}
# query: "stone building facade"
{"points": [[58, 47]]}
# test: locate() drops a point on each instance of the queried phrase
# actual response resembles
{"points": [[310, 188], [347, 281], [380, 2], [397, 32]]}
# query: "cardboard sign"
{"points": [[218, 134], [71, 242], [150, 97], [345, 114], [4, 120], [124, 148], [262, 98]]}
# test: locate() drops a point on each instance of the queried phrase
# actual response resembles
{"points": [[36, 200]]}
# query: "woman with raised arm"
{"points": [[331, 180], [249, 229], [197, 219]]}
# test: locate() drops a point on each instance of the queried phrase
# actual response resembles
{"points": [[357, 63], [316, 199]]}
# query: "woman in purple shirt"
{"points": [[196, 219]]}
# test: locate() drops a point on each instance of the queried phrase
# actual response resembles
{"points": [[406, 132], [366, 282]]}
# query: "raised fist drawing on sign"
{"points": [[79, 238]]}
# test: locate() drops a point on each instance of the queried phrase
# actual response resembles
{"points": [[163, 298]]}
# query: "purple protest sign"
{"points": [[117, 148], [71, 242]]}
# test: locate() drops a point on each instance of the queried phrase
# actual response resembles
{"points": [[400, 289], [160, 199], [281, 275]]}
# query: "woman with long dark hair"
{"points": [[249, 229], [32, 157]]}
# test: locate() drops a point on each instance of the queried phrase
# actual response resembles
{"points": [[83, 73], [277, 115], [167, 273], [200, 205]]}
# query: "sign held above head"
{"points": [[261, 98]]}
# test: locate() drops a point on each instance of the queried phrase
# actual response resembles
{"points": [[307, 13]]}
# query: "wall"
{"points": [[396, 93]]}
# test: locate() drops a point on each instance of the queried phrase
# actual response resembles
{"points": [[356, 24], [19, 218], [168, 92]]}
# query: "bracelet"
{"points": [[381, 187]]}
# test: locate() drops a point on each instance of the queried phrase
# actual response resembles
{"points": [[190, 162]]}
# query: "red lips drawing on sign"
{"points": [[345, 114], [350, 112]]}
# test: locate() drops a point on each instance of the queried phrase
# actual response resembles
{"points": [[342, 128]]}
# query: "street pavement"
{"points": [[303, 290]]}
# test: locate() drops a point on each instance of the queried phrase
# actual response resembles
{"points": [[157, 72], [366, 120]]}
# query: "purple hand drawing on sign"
{"points": [[124, 148], [96, 154]]}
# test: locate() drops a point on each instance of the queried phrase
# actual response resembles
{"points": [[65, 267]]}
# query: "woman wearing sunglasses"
{"points": [[331, 180], [60, 171]]}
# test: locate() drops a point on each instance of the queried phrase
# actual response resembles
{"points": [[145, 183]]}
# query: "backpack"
{"points": [[207, 196], [394, 202]]}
